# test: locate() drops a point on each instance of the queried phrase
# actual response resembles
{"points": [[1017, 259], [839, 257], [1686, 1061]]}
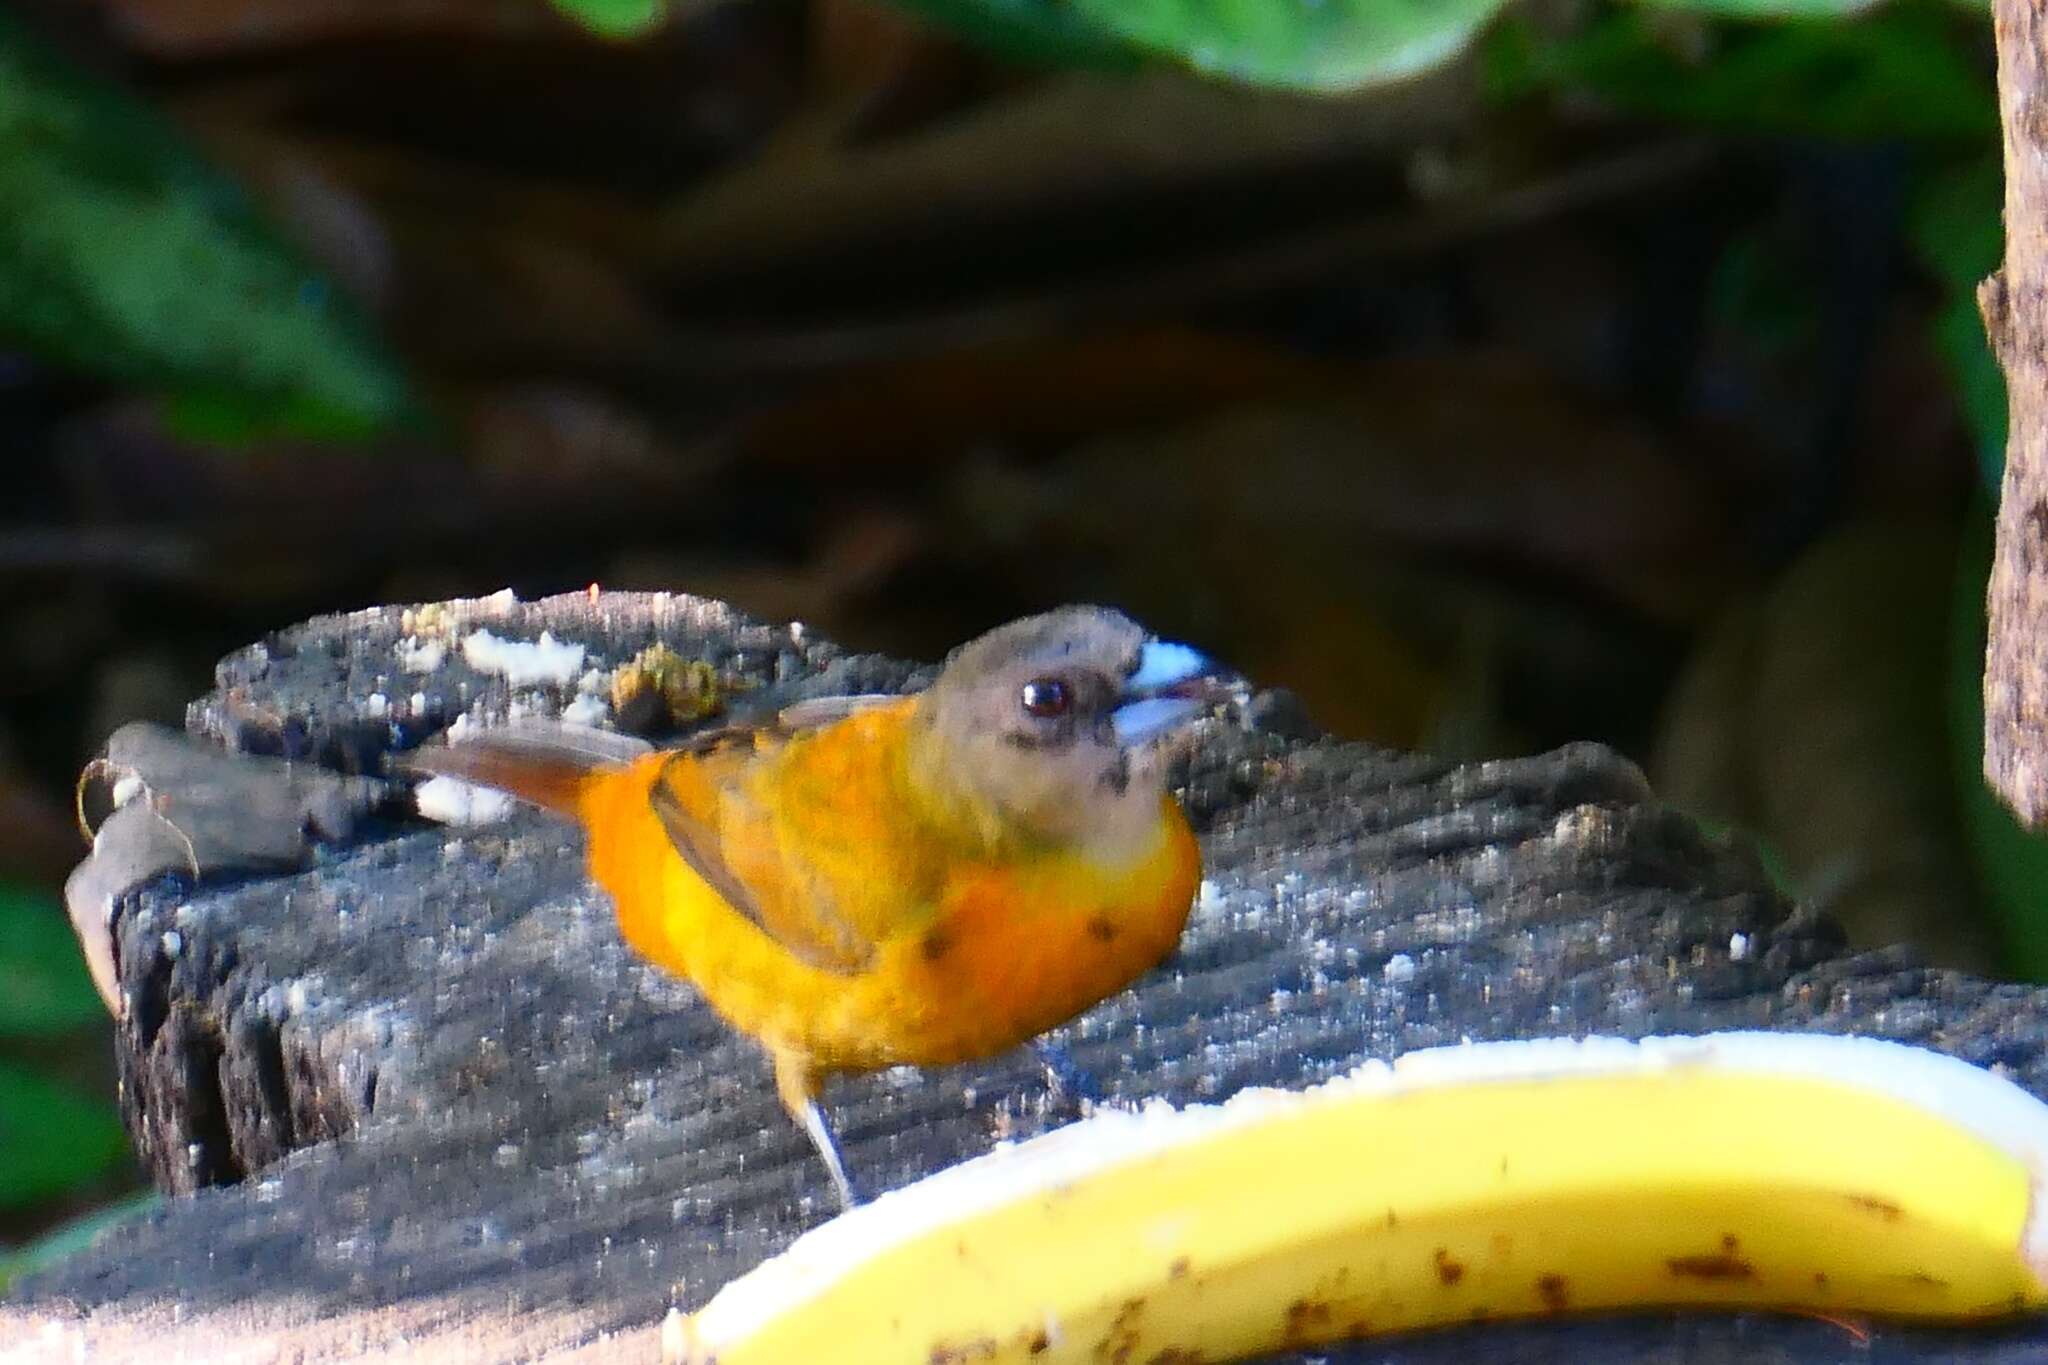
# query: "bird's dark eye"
{"points": [[1044, 698]]}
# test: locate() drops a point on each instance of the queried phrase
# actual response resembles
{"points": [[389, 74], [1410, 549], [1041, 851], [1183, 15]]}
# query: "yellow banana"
{"points": [[1808, 1172]]}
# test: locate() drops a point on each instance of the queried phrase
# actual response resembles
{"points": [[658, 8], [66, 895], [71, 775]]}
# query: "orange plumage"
{"points": [[924, 879]]}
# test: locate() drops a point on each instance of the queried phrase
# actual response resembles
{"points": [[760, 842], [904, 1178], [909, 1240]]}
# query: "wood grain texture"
{"points": [[2013, 303]]}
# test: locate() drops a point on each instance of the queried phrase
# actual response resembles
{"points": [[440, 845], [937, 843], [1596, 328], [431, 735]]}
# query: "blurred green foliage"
{"points": [[76, 1235], [203, 304], [1764, 9], [1957, 228], [125, 255], [2011, 862], [1026, 30], [1916, 74], [1318, 45], [617, 18], [48, 992], [1326, 46], [1329, 46], [1903, 73], [54, 1138]]}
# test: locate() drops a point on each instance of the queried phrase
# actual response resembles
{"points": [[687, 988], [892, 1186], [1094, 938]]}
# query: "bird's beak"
{"points": [[1171, 685]]}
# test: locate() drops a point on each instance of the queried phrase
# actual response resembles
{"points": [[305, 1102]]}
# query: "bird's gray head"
{"points": [[1057, 727]]}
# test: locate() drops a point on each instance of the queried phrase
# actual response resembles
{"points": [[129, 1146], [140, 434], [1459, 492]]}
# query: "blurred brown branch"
{"points": [[1185, 283]]}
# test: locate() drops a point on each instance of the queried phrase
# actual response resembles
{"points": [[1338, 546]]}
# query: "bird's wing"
{"points": [[816, 711], [777, 727], [797, 906]]}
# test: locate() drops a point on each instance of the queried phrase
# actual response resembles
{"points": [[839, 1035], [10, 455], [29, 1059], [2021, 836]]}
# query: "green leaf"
{"points": [[51, 1140], [1315, 45], [1765, 9], [1049, 34], [74, 1236], [123, 254], [1322, 45], [48, 991], [1902, 73], [616, 18]]}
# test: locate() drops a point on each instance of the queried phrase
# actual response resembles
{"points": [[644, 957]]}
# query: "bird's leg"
{"points": [[1069, 1083], [797, 1082]]}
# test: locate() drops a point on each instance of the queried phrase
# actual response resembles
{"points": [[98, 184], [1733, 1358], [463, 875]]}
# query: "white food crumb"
{"points": [[1738, 947], [524, 663], [174, 943], [1399, 967], [376, 705], [421, 656], [587, 709], [454, 802]]}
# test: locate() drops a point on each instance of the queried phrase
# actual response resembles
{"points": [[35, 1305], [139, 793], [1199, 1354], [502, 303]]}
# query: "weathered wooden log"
{"points": [[416, 1093]]}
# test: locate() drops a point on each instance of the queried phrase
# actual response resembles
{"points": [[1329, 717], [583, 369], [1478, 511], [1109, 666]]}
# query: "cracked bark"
{"points": [[2016, 661]]}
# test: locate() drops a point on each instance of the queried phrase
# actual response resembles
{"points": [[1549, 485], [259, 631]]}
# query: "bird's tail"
{"points": [[548, 764]]}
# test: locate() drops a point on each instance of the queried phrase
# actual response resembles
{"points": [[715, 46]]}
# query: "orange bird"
{"points": [[878, 880]]}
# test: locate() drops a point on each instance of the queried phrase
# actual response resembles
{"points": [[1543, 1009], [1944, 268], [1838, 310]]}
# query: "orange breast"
{"points": [[1017, 950]]}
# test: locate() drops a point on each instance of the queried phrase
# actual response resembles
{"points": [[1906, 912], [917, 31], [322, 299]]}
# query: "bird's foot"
{"points": [[819, 1129], [1069, 1085]]}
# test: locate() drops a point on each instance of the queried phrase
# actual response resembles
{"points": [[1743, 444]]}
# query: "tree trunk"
{"points": [[2013, 301]]}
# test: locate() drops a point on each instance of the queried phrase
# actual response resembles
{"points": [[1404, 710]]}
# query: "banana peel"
{"points": [[1835, 1175]]}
